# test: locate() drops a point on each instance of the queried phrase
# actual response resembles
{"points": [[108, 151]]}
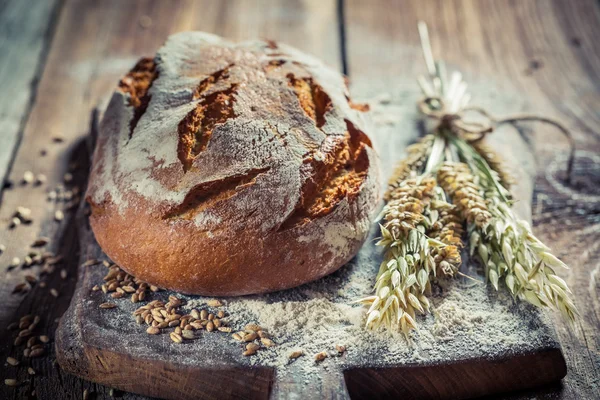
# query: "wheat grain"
{"points": [[411, 166], [508, 249]]}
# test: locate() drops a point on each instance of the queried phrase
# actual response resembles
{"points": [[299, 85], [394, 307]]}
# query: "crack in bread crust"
{"points": [[337, 175], [313, 99], [196, 129], [137, 83], [206, 194], [230, 150], [212, 79]]}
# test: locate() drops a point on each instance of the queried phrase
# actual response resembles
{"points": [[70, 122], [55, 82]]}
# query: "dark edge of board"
{"points": [[459, 380], [150, 377]]}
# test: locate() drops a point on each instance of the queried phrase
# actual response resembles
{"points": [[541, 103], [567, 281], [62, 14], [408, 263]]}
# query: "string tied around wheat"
{"points": [[474, 130]]}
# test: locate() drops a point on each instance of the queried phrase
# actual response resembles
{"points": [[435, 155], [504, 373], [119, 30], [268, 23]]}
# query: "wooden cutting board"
{"points": [[478, 342]]}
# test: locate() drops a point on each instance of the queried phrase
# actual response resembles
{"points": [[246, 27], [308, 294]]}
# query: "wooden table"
{"points": [[61, 58]]}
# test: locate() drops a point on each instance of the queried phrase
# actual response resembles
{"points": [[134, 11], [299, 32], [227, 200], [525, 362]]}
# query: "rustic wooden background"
{"points": [[61, 58]]}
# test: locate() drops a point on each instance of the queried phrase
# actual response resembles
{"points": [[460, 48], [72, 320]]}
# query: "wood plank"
{"points": [[541, 56], [90, 343], [26, 29], [95, 43], [551, 209]]}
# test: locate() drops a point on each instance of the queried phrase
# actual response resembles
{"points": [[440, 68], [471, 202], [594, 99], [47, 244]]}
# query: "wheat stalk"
{"points": [[412, 165], [508, 249], [423, 222], [420, 234], [495, 162]]}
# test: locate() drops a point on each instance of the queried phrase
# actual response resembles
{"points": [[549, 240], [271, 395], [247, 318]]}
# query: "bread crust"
{"points": [[231, 169]]}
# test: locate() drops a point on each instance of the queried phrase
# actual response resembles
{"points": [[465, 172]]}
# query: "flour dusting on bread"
{"points": [[226, 148]]}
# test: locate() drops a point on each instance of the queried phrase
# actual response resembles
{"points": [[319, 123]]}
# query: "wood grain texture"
{"points": [[106, 346], [26, 29], [545, 54], [94, 43], [547, 50], [89, 346]]}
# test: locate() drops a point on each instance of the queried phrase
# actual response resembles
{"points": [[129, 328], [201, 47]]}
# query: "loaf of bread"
{"points": [[230, 169]]}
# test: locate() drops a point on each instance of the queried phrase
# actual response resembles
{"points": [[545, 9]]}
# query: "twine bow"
{"points": [[434, 107]]}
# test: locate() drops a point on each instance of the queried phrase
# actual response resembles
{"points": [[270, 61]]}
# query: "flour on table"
{"points": [[469, 319]]}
